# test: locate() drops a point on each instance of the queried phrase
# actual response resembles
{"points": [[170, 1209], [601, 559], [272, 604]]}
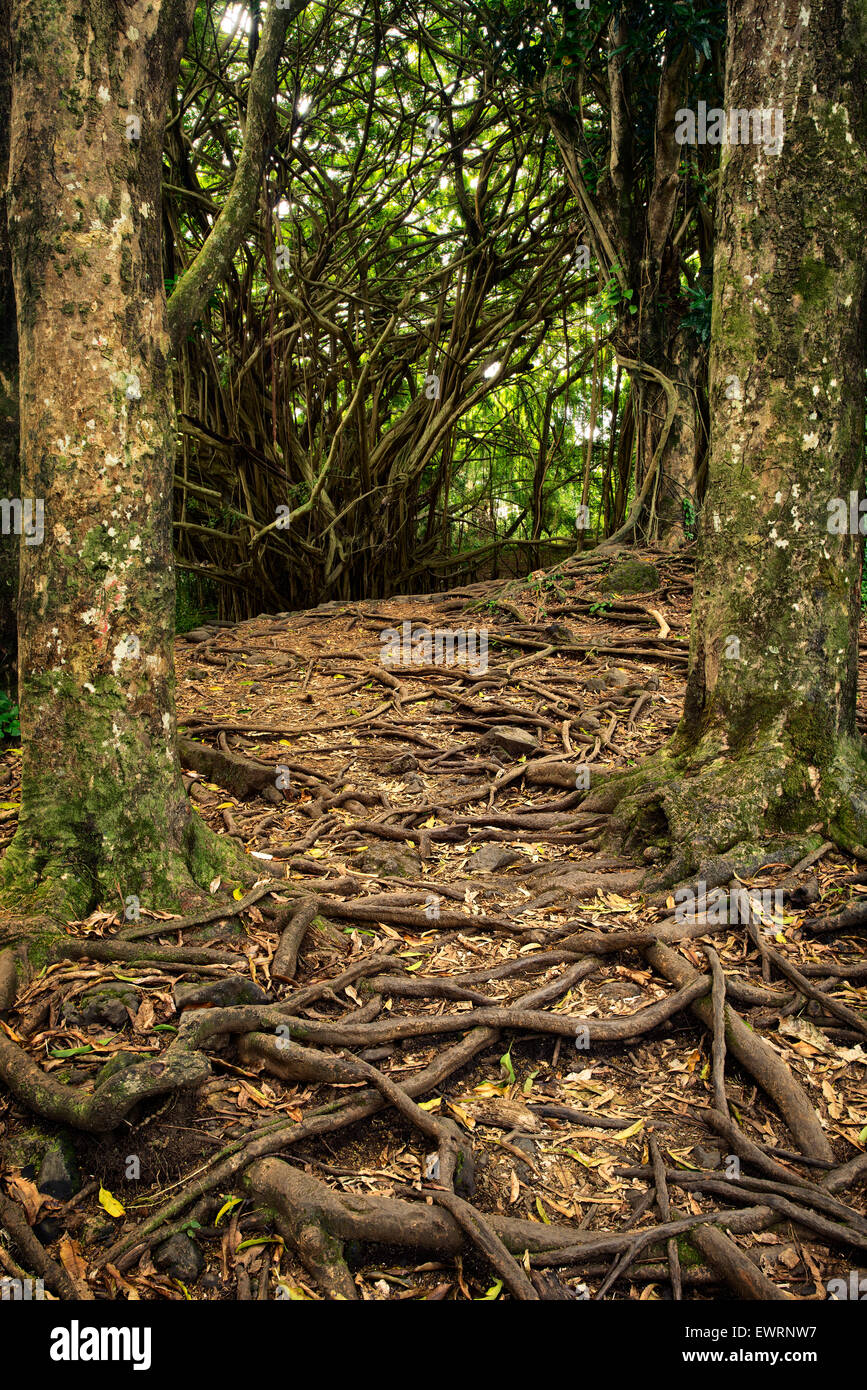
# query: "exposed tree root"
{"points": [[769, 1070], [235, 1158], [315, 1219], [102, 1109], [36, 1258], [387, 1011], [733, 1266], [713, 813]]}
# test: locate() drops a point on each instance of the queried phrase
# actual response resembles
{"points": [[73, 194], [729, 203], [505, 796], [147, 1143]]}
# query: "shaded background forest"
{"points": [[417, 349]]}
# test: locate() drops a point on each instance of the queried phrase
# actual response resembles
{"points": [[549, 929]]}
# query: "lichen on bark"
{"points": [[103, 813], [767, 744]]}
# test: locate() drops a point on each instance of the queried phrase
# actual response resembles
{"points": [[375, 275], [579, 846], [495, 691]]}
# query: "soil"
{"points": [[395, 759]]}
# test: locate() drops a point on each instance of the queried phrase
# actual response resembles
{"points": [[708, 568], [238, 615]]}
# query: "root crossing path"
{"points": [[442, 1043]]}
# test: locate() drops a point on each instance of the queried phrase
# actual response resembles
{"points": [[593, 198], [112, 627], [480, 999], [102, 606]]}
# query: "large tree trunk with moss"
{"points": [[767, 743], [9, 475], [104, 814]]}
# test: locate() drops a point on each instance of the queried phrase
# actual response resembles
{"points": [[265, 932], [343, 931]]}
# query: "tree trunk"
{"points": [[767, 742], [10, 482], [104, 814], [634, 239]]}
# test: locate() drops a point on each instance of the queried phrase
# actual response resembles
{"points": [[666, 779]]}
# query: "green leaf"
{"points": [[506, 1064], [490, 1294], [227, 1207]]}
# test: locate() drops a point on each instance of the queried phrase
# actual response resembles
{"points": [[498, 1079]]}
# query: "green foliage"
{"points": [[698, 316], [613, 299], [9, 727]]}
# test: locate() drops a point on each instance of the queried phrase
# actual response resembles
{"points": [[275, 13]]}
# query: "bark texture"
{"points": [[103, 806], [767, 742]]}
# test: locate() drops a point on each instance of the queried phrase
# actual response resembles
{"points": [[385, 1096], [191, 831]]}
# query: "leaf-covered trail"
{"points": [[423, 997]]}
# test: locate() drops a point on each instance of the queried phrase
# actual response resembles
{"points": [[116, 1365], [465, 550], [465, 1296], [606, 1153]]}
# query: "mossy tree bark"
{"points": [[768, 742], [104, 813], [9, 475]]}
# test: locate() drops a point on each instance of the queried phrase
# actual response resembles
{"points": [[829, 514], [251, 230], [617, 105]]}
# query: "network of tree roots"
{"points": [[449, 1046]]}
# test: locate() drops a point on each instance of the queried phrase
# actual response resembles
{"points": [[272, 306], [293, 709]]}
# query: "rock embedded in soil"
{"points": [[398, 766], [180, 1258], [708, 1158], [111, 1004], [491, 857], [515, 742], [616, 676], [527, 1146], [619, 989], [58, 1172], [630, 577], [119, 1062], [390, 861], [224, 994]]}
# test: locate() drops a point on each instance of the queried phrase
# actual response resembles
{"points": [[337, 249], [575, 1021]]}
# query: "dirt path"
{"points": [[441, 929]]}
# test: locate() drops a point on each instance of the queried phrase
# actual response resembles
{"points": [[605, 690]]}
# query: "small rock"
{"points": [[630, 577], [98, 1229], [58, 1172], [527, 1146], [708, 1158], [111, 1004], [412, 783], [803, 895], [516, 742], [119, 1062], [559, 632], [492, 857], [588, 722], [465, 1173], [398, 766], [619, 989], [223, 994], [615, 676], [391, 861], [441, 707], [199, 634], [180, 1258]]}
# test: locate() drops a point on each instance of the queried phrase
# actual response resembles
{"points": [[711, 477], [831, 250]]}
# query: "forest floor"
{"points": [[436, 872]]}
